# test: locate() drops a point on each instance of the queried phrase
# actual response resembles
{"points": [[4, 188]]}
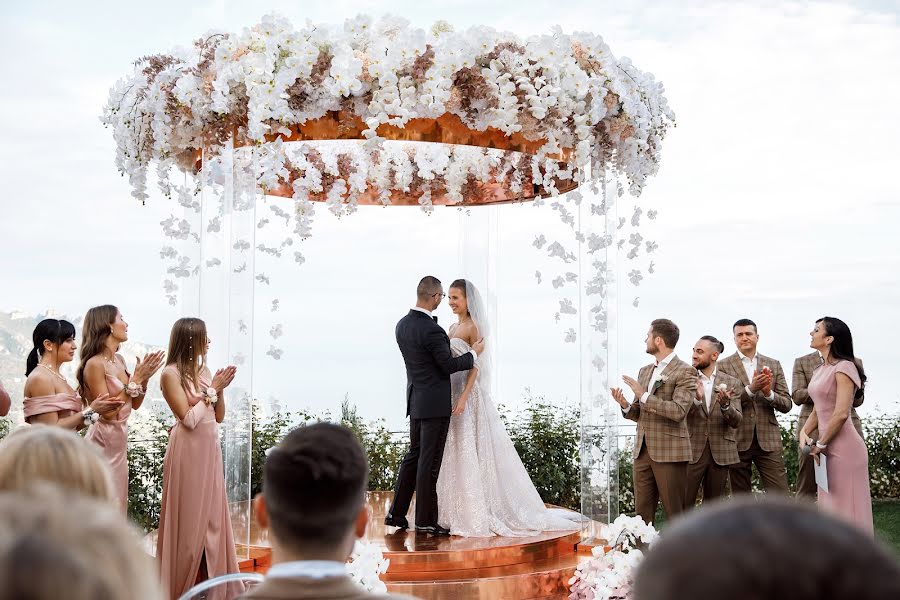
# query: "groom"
{"points": [[426, 351]]}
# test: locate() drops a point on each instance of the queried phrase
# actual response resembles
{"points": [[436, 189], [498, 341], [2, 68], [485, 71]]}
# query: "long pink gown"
{"points": [[65, 404], [848, 495], [195, 518], [112, 437]]}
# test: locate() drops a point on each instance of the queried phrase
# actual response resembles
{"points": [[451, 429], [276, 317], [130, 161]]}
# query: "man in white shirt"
{"points": [[314, 504], [663, 393], [765, 391], [712, 423]]}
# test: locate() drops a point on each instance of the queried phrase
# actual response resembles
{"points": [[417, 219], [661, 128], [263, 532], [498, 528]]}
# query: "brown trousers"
{"points": [[655, 481], [713, 476], [769, 464]]}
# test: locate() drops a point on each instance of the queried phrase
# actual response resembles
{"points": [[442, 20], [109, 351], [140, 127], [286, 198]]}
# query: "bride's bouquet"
{"points": [[366, 563], [609, 573]]}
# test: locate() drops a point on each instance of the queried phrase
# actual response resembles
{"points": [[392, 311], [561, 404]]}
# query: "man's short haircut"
{"points": [[744, 323], [767, 548], [315, 485], [667, 330], [428, 287], [719, 346]]}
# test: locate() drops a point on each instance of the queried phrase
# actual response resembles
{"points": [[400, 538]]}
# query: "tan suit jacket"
{"points": [[717, 426], [802, 375], [759, 411], [662, 421], [296, 588]]}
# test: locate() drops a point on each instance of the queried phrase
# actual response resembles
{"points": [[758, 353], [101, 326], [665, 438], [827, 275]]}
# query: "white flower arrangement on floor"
{"points": [[367, 562], [610, 573]]}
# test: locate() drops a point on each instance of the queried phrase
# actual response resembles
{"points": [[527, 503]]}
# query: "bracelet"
{"points": [[134, 389], [820, 445], [89, 416], [212, 395]]}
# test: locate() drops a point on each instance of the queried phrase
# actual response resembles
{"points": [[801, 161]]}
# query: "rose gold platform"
{"points": [[437, 568]]}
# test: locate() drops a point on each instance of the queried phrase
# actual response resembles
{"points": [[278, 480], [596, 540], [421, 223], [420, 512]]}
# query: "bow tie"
{"points": [[435, 318]]}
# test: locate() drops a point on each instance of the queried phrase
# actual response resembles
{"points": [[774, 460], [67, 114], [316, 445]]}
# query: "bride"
{"points": [[483, 488]]}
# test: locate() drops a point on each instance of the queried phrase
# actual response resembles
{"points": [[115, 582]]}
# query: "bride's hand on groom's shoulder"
{"points": [[478, 346]]}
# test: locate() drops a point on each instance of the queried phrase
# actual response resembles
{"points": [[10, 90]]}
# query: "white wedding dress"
{"points": [[483, 488]]}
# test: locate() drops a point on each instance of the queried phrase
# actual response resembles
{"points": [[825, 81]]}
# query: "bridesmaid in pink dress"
{"points": [[102, 372], [195, 540], [833, 387], [49, 399]]}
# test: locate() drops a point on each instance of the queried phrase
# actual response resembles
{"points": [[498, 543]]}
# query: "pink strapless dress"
{"points": [[848, 496], [112, 437], [194, 519], [66, 404]]}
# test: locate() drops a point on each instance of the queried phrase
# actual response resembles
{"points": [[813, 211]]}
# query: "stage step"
{"points": [[540, 579]]}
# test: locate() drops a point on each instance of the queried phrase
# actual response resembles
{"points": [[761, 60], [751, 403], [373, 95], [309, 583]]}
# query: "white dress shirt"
{"points": [[428, 312], [750, 366], [310, 569], [657, 373], [708, 387]]}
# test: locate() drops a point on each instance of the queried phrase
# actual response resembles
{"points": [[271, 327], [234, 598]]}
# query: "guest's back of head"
{"points": [[56, 455], [757, 550], [314, 490], [56, 544]]}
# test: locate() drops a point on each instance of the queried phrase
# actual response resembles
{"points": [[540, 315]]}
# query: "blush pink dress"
{"points": [[195, 519], [65, 404], [111, 434], [848, 495]]}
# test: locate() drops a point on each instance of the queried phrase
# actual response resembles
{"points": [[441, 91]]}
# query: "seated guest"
{"points": [[56, 456], [56, 544], [314, 504], [760, 550], [4, 401], [712, 423]]}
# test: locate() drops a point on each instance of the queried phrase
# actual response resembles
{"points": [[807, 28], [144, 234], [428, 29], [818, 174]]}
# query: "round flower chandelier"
{"points": [[438, 116]]}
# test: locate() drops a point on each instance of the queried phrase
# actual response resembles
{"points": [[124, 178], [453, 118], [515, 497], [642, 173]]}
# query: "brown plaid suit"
{"points": [[759, 436], [713, 441], [803, 372], [662, 445]]}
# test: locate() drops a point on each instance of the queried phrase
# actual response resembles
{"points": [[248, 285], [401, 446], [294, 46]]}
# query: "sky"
{"points": [[776, 198]]}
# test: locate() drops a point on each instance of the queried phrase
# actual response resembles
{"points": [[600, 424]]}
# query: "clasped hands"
{"points": [[762, 382], [806, 441]]}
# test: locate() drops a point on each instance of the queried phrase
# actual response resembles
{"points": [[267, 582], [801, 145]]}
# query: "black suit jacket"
{"points": [[426, 351]]}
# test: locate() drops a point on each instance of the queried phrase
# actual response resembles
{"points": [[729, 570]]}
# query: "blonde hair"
{"points": [[187, 350], [55, 455], [54, 544]]}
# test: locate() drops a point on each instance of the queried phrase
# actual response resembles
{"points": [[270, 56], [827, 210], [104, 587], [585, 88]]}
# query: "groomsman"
{"points": [[663, 393], [765, 391], [712, 422], [802, 375]]}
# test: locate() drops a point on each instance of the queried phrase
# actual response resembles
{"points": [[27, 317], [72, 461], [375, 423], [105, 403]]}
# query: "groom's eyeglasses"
{"points": [[441, 294]]}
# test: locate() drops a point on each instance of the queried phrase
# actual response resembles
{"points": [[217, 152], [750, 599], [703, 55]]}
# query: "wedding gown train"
{"points": [[483, 488]]}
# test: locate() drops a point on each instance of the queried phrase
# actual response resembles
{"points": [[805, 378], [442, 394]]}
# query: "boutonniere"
{"points": [[662, 379]]}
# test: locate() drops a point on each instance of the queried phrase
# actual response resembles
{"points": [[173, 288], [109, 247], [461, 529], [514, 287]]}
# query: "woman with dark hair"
{"points": [[103, 371], [832, 388], [49, 399], [195, 541]]}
